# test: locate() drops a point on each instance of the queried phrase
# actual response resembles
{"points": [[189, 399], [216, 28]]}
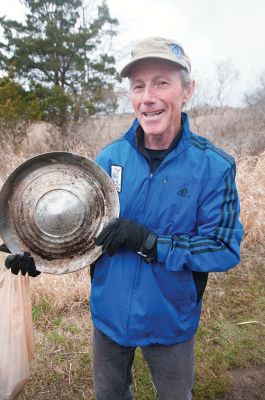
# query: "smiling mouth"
{"points": [[153, 114]]}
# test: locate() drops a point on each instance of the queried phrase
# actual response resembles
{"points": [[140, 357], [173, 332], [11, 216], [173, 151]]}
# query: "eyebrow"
{"points": [[132, 80]]}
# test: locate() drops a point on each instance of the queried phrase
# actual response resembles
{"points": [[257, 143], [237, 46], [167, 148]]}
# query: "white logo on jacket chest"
{"points": [[116, 176]]}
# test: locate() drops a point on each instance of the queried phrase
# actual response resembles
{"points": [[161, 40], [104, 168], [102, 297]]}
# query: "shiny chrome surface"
{"points": [[54, 205]]}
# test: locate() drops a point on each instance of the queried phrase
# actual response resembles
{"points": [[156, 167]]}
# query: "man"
{"points": [[179, 220]]}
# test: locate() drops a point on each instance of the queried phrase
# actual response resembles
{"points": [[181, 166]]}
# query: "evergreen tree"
{"points": [[60, 57], [18, 109]]}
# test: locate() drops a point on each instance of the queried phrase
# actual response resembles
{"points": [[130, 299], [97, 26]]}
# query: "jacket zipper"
{"points": [[137, 269]]}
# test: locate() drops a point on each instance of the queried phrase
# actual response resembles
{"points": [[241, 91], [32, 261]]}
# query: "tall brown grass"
{"points": [[251, 187]]}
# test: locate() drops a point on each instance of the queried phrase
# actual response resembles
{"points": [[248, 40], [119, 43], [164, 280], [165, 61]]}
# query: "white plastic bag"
{"points": [[16, 332]]}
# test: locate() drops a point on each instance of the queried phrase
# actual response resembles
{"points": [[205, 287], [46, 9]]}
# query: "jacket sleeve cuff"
{"points": [[164, 244]]}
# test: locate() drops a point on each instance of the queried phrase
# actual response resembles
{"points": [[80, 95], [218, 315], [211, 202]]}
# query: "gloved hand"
{"points": [[125, 232], [21, 262]]}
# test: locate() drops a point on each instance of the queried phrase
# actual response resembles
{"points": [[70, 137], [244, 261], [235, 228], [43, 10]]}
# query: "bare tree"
{"points": [[255, 100], [226, 77], [212, 98]]}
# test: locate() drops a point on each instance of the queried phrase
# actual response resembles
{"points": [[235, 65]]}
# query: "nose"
{"points": [[148, 95]]}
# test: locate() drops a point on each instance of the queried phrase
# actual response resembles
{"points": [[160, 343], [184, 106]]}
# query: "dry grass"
{"points": [[235, 130], [251, 187], [62, 292]]}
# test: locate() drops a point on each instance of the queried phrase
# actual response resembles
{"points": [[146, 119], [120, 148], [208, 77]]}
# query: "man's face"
{"points": [[157, 96]]}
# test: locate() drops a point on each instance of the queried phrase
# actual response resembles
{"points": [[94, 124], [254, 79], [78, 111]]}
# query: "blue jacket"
{"points": [[191, 202]]}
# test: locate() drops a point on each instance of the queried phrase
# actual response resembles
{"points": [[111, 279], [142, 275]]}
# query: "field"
{"points": [[230, 345]]}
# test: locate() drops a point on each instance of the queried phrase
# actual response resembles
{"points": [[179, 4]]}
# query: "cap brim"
{"points": [[126, 70]]}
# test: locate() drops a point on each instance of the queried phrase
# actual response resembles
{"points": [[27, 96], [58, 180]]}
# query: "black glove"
{"points": [[21, 262], [125, 232]]}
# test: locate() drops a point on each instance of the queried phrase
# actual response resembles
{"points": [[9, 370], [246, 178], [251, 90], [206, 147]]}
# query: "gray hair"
{"points": [[185, 77]]}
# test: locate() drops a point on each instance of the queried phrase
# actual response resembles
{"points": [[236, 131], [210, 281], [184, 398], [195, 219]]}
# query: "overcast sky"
{"points": [[209, 30]]}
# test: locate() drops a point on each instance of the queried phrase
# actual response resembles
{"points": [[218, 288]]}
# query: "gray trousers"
{"points": [[172, 369]]}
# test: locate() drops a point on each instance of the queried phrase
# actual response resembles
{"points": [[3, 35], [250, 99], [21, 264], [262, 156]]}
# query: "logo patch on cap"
{"points": [[176, 50]]}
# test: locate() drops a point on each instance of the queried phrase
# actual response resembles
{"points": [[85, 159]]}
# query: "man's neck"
{"points": [[155, 142], [162, 141]]}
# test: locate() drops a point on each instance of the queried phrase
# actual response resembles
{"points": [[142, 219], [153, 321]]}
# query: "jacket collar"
{"points": [[182, 145]]}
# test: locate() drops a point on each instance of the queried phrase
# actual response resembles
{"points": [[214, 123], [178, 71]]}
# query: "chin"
{"points": [[151, 128], [153, 132]]}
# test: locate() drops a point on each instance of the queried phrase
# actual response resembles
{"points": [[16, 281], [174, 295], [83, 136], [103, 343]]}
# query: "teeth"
{"points": [[153, 114]]}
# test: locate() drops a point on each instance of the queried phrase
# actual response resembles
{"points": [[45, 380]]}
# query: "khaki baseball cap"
{"points": [[157, 47]]}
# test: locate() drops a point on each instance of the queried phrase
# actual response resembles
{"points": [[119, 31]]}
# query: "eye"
{"points": [[137, 87], [162, 83]]}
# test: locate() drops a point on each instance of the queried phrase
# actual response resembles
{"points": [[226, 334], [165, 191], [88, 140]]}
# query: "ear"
{"points": [[188, 91]]}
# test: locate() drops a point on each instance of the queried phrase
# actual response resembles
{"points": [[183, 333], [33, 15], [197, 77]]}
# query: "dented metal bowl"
{"points": [[54, 205]]}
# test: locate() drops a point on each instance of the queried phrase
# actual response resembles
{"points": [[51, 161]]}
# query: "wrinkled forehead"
{"points": [[153, 66]]}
